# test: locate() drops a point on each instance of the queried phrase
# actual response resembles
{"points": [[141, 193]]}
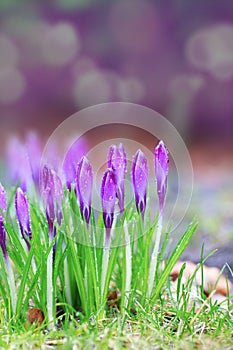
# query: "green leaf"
{"points": [[181, 246]]}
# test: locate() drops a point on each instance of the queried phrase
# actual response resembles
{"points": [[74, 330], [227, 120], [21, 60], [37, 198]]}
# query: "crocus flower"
{"points": [[73, 156], [3, 207], [108, 198], [34, 151], [139, 176], [117, 162], [52, 192], [22, 211], [161, 172], [84, 182], [18, 164], [10, 274]]}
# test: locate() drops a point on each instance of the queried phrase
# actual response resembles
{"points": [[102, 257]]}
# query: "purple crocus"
{"points": [[84, 182], [18, 163], [3, 207], [161, 172], [73, 156], [10, 273], [139, 176], [52, 192], [117, 162], [22, 211], [108, 198], [34, 151]]}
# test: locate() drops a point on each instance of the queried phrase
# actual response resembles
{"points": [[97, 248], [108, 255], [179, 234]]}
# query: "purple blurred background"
{"points": [[60, 56]]}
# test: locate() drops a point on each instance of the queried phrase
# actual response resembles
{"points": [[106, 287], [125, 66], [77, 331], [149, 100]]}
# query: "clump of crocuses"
{"points": [[79, 182]]}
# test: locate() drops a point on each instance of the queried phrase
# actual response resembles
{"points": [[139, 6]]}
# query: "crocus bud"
{"points": [[3, 207], [34, 151], [161, 172], [84, 182], [57, 195], [22, 211], [47, 192], [108, 198], [18, 163], [52, 192], [73, 156], [117, 162], [140, 180]]}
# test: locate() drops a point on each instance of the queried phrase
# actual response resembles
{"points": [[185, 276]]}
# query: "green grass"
{"points": [[166, 320], [165, 327]]}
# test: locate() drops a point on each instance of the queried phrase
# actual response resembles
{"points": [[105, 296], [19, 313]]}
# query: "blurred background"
{"points": [[62, 55], [59, 56]]}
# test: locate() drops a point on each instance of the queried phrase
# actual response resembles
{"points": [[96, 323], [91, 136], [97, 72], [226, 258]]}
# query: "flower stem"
{"points": [[50, 290], [154, 257], [105, 260], [33, 265], [128, 266], [67, 283], [11, 282]]}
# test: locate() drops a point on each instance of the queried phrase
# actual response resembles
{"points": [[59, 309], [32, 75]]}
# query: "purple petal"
{"points": [[84, 183], [34, 150], [140, 180], [52, 191], [3, 207], [73, 157], [3, 240], [48, 194], [108, 197], [161, 171], [22, 211], [118, 163], [56, 187], [3, 201], [18, 164], [58, 195]]}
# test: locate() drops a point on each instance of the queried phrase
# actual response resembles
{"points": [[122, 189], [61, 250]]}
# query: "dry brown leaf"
{"points": [[210, 277]]}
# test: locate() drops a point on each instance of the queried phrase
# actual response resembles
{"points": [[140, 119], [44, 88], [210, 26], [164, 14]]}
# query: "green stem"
{"points": [[105, 260], [154, 257], [128, 266], [50, 290], [67, 283], [11, 282]]}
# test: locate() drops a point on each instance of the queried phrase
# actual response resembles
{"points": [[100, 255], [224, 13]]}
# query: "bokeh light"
{"points": [[211, 50], [60, 44], [12, 86]]}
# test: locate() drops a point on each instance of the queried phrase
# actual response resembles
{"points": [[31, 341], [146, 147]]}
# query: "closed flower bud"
{"points": [[161, 172], [140, 180], [22, 211], [108, 198], [118, 163], [84, 182]]}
